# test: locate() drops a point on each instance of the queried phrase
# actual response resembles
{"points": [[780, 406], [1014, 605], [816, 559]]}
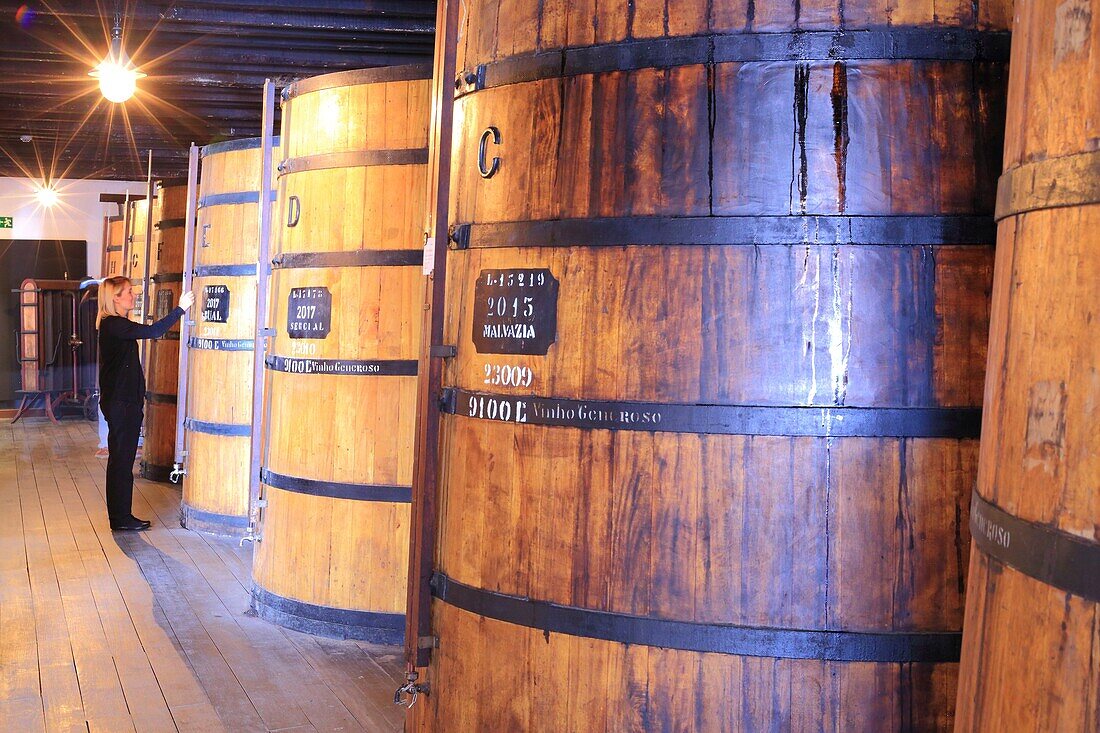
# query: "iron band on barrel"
{"points": [[378, 628], [338, 489], [157, 398], [230, 146], [353, 159], [217, 428], [156, 472], [1048, 555], [234, 198], [927, 44], [203, 521], [1071, 180], [352, 258], [353, 77], [343, 367], [115, 248], [205, 344], [167, 277], [750, 641], [730, 230], [224, 270], [170, 224], [824, 422], [170, 336]]}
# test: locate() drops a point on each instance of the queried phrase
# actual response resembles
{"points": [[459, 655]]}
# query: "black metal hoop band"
{"points": [[338, 489], [343, 367], [749, 641], [1048, 555], [230, 146], [224, 271], [158, 398], [353, 159], [903, 44], [338, 623], [205, 344], [225, 525], [349, 258], [217, 428], [234, 198], [825, 422], [354, 77], [167, 277], [170, 224], [730, 230]]}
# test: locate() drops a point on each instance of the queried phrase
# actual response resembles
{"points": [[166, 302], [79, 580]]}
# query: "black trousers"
{"points": [[123, 428]]}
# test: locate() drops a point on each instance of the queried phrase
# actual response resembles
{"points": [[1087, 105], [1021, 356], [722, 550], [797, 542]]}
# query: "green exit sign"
{"points": [[5, 222]]}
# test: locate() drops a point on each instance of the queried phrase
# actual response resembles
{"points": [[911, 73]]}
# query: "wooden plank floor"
{"points": [[147, 631]]}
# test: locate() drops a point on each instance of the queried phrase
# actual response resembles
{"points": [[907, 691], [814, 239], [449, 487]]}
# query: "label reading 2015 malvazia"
{"points": [[515, 311], [309, 313]]}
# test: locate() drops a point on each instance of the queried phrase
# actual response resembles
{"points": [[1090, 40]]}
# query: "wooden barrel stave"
{"points": [[162, 371], [1031, 652], [336, 478], [219, 414], [733, 230]]}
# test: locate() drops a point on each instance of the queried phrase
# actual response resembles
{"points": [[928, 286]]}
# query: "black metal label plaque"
{"points": [[515, 311], [309, 313], [215, 304], [164, 303]]}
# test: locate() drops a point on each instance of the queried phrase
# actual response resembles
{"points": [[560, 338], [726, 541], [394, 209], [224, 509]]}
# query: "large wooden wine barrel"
{"points": [[137, 222], [219, 395], [162, 371], [720, 303], [114, 239], [1031, 644], [341, 369]]}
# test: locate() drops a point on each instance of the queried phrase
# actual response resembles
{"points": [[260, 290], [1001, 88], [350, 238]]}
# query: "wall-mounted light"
{"points": [[117, 76], [47, 196]]}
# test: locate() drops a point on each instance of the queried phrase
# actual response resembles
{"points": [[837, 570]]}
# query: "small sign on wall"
{"points": [[6, 222]]}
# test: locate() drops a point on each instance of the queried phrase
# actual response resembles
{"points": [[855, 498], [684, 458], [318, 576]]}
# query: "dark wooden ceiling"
{"points": [[206, 63]]}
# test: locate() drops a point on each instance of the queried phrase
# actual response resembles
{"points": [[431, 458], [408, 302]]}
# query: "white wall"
{"points": [[78, 215]]}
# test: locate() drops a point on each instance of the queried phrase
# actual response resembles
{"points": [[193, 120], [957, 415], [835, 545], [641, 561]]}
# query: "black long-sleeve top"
{"points": [[120, 375]]}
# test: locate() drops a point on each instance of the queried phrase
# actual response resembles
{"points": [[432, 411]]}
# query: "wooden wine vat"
{"points": [[219, 411], [1031, 644], [162, 371], [720, 306], [341, 368], [137, 222], [114, 239]]}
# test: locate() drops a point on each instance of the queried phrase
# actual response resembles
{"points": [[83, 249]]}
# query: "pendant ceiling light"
{"points": [[117, 76]]}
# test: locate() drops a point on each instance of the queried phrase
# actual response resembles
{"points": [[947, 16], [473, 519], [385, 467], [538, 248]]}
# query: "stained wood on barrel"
{"points": [[1031, 653], [331, 556], [736, 240]]}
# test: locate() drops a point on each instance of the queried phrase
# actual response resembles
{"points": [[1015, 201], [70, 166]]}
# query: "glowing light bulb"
{"points": [[117, 77], [117, 82], [47, 196]]}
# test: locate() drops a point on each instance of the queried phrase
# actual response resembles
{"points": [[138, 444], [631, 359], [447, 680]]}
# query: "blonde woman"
{"points": [[122, 390]]}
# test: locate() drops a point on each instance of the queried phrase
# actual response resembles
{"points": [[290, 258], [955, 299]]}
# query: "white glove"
{"points": [[187, 300]]}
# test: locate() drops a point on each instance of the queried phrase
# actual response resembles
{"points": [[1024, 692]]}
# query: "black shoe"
{"points": [[131, 523]]}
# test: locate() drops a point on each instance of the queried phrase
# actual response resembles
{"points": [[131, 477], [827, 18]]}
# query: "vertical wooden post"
{"points": [[185, 325], [425, 468], [263, 277]]}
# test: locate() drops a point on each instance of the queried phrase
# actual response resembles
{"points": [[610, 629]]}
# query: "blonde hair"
{"points": [[110, 287]]}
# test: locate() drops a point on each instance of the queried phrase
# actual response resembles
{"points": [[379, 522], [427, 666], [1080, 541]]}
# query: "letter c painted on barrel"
{"points": [[494, 166]]}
